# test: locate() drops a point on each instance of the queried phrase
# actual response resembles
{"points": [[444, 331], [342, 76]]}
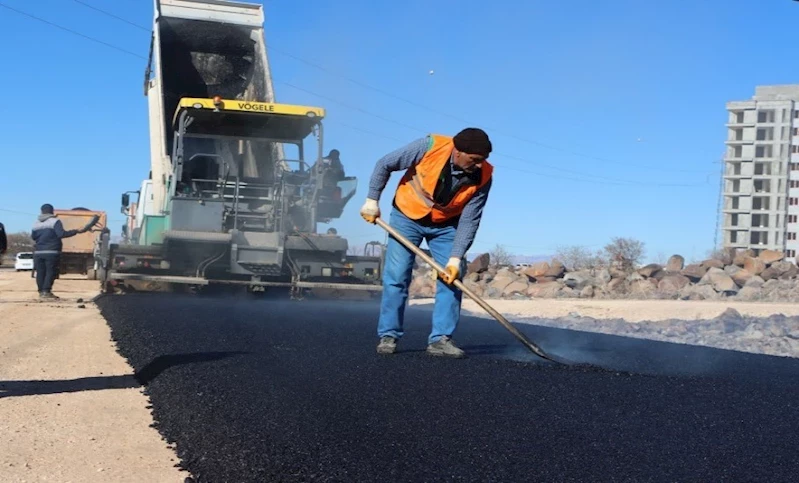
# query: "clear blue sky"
{"points": [[596, 109]]}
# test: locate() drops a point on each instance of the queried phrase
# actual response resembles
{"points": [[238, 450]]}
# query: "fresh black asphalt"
{"points": [[294, 391]]}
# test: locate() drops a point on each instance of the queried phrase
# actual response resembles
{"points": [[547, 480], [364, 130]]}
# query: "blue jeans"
{"points": [[397, 274]]}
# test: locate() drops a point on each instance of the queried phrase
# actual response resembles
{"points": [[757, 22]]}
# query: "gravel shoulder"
{"points": [[70, 409], [754, 327], [628, 310]]}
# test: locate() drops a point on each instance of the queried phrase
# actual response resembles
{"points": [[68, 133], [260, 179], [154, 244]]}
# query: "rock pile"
{"points": [[775, 335], [739, 275]]}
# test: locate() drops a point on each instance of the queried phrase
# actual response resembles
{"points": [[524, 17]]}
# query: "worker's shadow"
{"points": [[140, 378]]}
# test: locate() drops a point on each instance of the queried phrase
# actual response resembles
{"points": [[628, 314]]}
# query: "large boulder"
{"points": [[713, 263], [539, 269], [649, 270], [616, 272], [787, 270], [587, 292], [741, 277], [642, 287], [545, 279], [477, 288], [479, 264], [719, 280], [500, 283], [753, 265], [471, 277], [698, 292], [771, 256], [770, 273], [675, 263], [727, 256], [602, 276], [740, 257], [791, 273], [755, 281], [579, 279], [617, 286], [543, 290], [749, 293], [732, 269], [673, 283], [694, 272], [556, 269], [518, 287]]}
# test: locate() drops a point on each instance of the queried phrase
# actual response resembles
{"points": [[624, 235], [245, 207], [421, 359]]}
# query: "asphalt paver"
{"points": [[294, 391]]}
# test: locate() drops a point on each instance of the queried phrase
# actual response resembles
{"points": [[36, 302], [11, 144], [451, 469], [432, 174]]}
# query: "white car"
{"points": [[24, 261]]}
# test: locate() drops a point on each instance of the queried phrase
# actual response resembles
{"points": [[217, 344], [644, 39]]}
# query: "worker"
{"points": [[3, 242], [47, 233], [440, 198], [331, 168]]}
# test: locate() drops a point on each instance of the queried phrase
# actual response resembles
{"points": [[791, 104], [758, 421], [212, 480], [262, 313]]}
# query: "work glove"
{"points": [[451, 271], [370, 210]]}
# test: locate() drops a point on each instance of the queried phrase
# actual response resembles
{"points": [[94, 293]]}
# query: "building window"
{"points": [[760, 221], [765, 116], [759, 238], [792, 218], [794, 183], [791, 253], [793, 201], [791, 236], [765, 134], [764, 151]]}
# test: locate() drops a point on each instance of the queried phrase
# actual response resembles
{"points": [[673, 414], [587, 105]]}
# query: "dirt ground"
{"points": [[629, 310], [70, 409]]}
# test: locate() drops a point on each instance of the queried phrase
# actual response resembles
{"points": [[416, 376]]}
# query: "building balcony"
{"points": [[740, 124], [735, 142]]}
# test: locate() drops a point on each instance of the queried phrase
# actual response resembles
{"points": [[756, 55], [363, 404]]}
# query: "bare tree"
{"points": [[19, 242], [626, 253], [500, 256], [577, 257]]}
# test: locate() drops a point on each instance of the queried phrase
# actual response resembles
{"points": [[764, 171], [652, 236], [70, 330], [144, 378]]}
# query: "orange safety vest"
{"points": [[414, 193]]}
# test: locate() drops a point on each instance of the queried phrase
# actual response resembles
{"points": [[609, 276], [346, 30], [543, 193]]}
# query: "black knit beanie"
{"points": [[473, 140]]}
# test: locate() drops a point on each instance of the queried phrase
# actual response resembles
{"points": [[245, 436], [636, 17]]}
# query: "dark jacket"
{"points": [[3, 239], [47, 234]]}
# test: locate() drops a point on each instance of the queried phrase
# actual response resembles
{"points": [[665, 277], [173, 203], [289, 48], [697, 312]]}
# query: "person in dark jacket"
{"points": [[3, 242], [47, 233]]}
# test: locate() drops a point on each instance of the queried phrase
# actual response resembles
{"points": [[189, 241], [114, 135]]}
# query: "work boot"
{"points": [[387, 345], [446, 348], [48, 296]]}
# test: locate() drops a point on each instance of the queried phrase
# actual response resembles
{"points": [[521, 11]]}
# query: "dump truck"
{"points": [[80, 253], [237, 184]]}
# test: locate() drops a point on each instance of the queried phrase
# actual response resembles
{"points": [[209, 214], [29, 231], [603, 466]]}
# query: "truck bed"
{"points": [[74, 219]]}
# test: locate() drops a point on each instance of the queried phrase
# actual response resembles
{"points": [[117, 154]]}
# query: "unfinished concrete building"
{"points": [[761, 175]]}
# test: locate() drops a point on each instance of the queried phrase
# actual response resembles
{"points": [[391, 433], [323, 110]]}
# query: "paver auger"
{"points": [[482, 303]]}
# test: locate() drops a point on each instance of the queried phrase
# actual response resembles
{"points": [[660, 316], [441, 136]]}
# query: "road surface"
{"points": [[294, 391]]}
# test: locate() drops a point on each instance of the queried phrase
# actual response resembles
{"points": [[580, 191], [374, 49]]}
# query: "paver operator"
{"points": [[440, 199], [47, 233]]}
